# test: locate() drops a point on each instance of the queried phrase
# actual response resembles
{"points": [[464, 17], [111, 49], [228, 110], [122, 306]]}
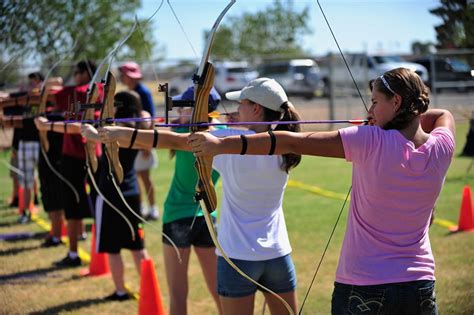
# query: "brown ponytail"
{"points": [[290, 160]]}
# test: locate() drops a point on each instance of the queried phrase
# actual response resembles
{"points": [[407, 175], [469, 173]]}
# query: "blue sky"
{"points": [[388, 26]]}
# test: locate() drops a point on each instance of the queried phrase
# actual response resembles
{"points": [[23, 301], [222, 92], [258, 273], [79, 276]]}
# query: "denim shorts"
{"points": [[184, 235], [276, 274], [415, 297]]}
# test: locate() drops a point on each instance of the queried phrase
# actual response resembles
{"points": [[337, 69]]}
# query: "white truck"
{"points": [[364, 68]]}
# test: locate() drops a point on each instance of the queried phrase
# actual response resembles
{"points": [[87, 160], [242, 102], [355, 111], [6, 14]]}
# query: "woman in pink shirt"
{"points": [[399, 166]]}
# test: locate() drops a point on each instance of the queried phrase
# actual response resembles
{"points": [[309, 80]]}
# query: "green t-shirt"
{"points": [[180, 202]]}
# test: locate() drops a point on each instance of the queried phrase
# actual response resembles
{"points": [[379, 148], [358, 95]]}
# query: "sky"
{"points": [[374, 26]]}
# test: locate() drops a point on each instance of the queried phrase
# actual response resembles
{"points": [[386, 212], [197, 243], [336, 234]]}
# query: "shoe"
{"points": [[25, 218], [68, 262], [13, 203], [82, 237], [154, 214], [51, 242], [116, 297]]}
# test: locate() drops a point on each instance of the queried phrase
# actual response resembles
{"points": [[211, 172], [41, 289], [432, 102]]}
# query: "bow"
{"points": [[205, 191]]}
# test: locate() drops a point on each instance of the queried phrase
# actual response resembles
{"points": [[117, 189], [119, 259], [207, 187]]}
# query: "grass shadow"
{"points": [[16, 251], [71, 306], [42, 272], [27, 236]]}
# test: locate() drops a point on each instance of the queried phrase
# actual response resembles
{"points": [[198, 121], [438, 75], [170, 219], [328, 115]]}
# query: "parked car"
{"points": [[233, 75], [296, 76], [449, 73], [364, 68], [229, 76]]}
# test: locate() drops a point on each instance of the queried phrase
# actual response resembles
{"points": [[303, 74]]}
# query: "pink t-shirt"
{"points": [[394, 190]]}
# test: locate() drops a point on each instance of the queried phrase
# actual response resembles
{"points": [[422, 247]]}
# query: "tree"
{"points": [[48, 28], [275, 31], [457, 29]]}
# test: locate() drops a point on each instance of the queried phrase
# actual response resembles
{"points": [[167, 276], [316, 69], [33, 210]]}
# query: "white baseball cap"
{"points": [[264, 91]]}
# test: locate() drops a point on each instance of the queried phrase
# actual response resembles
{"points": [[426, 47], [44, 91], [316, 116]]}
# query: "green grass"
{"points": [[29, 285]]}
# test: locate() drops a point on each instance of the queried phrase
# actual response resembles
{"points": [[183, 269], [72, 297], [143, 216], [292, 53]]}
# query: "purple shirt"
{"points": [[394, 190]]}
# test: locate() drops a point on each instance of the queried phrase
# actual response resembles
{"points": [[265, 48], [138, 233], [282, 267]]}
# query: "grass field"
{"points": [[29, 283]]}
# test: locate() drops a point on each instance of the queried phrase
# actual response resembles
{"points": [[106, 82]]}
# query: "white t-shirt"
{"points": [[252, 224]]}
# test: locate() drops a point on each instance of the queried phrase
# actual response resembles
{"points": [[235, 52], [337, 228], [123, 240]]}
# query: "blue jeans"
{"points": [[276, 274], [415, 297]]}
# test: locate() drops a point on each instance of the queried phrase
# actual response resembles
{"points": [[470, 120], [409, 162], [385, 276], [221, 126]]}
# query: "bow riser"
{"points": [[43, 135], [89, 114], [111, 149], [205, 190]]}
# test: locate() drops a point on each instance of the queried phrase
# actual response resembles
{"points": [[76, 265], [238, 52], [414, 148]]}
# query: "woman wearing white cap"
{"points": [[252, 230], [399, 166]]}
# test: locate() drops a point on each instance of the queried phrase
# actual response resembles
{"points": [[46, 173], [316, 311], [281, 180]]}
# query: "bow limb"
{"points": [[107, 116], [205, 191]]}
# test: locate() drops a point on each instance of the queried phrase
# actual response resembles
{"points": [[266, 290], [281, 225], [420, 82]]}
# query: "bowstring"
{"points": [[350, 188], [182, 29]]}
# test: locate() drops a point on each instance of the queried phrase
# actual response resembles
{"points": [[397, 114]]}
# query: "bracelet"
{"points": [[134, 136], [52, 126], [273, 144], [155, 138], [244, 144]]}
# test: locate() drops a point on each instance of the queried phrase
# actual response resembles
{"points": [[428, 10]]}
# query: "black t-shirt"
{"points": [[29, 131]]}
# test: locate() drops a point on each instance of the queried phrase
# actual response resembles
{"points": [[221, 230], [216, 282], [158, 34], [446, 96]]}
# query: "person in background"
{"points": [[73, 158], [131, 76], [113, 232]]}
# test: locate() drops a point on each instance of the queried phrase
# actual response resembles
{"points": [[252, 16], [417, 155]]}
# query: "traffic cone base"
{"points": [[99, 265], [150, 296], [466, 214], [21, 202]]}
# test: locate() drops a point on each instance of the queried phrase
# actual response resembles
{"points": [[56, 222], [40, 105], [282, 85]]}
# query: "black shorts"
{"points": [[113, 232], [180, 233], [51, 186], [74, 170]]}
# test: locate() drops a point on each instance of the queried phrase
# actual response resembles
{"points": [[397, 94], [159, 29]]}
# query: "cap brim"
{"points": [[233, 96]]}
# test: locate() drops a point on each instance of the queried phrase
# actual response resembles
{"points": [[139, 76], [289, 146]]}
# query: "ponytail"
{"points": [[290, 160]]}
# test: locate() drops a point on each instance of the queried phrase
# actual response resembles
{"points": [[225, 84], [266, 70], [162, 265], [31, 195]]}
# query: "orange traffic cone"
{"points": [[21, 202], [150, 296], [466, 215], [99, 265]]}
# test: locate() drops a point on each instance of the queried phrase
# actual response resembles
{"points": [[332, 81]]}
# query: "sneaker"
{"points": [[13, 203], [154, 214], [116, 297], [68, 262], [82, 237], [51, 242], [25, 218]]}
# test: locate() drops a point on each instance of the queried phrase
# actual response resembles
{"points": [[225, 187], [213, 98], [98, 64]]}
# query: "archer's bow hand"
{"points": [[42, 123], [204, 144], [109, 134], [90, 133]]}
